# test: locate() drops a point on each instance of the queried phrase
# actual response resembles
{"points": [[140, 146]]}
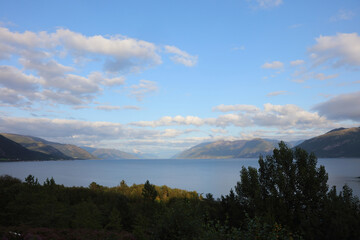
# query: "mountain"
{"points": [[337, 143], [230, 149], [105, 153], [56, 150], [10, 150]]}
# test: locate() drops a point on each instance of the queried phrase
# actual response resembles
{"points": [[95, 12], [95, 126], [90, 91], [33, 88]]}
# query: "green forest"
{"points": [[286, 197]]}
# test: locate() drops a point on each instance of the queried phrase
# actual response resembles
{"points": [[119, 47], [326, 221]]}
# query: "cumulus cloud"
{"points": [[144, 87], [108, 107], [219, 131], [111, 107], [341, 107], [10, 96], [80, 132], [42, 55], [273, 65], [168, 121], [339, 50], [237, 107], [297, 62], [130, 107], [13, 78], [67, 89], [277, 93], [181, 57], [121, 52], [98, 77], [279, 116]]}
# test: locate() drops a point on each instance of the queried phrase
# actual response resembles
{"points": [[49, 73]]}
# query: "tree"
{"points": [[31, 180], [287, 188], [149, 192]]}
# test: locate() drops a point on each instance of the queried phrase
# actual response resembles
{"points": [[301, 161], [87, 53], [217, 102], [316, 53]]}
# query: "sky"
{"points": [[158, 77]]}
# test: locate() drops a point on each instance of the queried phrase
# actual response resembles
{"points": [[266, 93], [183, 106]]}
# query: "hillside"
{"points": [[56, 150], [229, 149], [10, 150], [105, 153], [337, 143]]}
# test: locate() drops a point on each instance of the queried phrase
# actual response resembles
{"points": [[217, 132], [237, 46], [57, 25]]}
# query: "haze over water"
{"points": [[216, 176]]}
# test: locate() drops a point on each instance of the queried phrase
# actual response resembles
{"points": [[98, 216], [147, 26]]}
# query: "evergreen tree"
{"points": [[149, 192]]}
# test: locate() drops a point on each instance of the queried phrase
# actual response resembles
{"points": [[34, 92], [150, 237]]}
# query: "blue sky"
{"points": [[161, 76]]}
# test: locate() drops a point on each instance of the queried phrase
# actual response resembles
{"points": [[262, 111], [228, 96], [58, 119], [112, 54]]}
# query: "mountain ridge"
{"points": [[56, 151], [108, 153], [229, 149], [337, 143], [13, 151]]}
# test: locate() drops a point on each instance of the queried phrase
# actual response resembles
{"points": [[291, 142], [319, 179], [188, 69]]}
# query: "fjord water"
{"points": [[216, 176]]}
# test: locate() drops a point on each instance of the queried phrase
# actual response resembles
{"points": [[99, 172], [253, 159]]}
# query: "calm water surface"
{"points": [[216, 176]]}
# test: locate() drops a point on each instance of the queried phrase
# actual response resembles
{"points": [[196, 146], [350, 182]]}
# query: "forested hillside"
{"points": [[53, 150], [12, 151], [338, 143]]}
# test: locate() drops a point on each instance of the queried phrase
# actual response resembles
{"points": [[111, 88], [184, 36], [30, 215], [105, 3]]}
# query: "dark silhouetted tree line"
{"points": [[287, 197]]}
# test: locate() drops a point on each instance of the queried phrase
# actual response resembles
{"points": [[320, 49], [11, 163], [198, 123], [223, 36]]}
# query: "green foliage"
{"points": [[288, 188], [31, 180], [149, 192]]}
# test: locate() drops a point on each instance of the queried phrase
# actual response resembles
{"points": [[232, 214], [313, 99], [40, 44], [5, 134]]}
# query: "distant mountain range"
{"points": [[230, 149], [338, 143], [105, 153], [15, 147], [342, 142], [45, 150]]}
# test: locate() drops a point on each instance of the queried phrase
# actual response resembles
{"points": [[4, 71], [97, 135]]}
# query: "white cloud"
{"points": [[343, 14], [118, 52], [237, 107], [181, 57], [99, 78], [242, 48], [269, 3], [130, 107], [172, 133], [63, 97], [341, 49], [341, 107], [277, 93], [297, 62], [10, 96], [13, 78], [108, 107], [168, 121], [144, 87], [279, 116], [77, 131], [121, 52], [273, 65], [321, 76], [219, 131], [43, 76]]}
